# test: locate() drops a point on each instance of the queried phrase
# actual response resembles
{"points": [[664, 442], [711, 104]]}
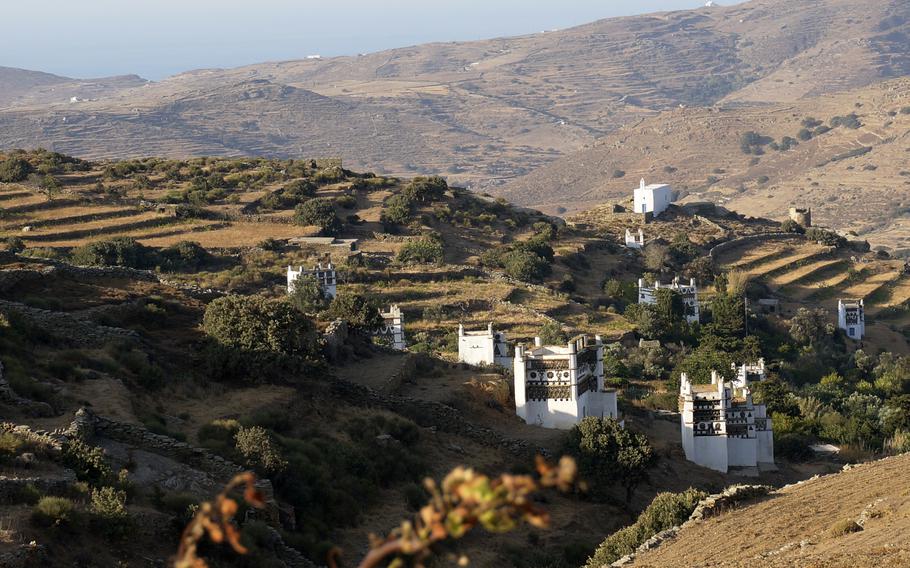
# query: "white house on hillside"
{"points": [[634, 241], [654, 198], [648, 295], [323, 273], [851, 317], [486, 347]]}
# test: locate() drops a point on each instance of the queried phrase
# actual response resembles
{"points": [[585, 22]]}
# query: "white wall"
{"points": [[476, 350]]}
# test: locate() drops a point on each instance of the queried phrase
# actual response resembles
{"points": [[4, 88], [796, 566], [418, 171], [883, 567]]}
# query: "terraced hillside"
{"points": [[805, 274]]}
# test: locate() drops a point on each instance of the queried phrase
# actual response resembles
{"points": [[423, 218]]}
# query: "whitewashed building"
{"points": [[749, 373], [635, 241], [557, 386], [851, 317], [647, 294], [485, 347], [722, 428], [654, 198], [324, 274], [391, 332]]}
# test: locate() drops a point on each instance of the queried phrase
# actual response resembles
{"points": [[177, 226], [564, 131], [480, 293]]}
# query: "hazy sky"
{"points": [[156, 38]]}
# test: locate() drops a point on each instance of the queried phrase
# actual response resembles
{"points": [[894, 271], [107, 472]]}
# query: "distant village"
{"points": [[556, 386]]}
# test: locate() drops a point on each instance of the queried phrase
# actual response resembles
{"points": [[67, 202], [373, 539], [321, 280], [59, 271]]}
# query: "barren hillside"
{"points": [[484, 112], [798, 525], [852, 176]]}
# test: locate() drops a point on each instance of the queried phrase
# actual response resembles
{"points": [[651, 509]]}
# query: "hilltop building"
{"points": [[722, 428], [324, 274], [391, 332], [557, 386], [802, 217], [485, 347], [749, 373], [851, 317], [634, 241], [654, 198], [689, 292]]}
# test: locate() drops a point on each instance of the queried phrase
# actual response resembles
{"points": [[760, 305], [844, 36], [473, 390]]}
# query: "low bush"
{"points": [[421, 251], [117, 251], [54, 511], [844, 527], [667, 510]]}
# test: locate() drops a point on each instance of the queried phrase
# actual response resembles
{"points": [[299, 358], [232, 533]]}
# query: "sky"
{"points": [[158, 38]]}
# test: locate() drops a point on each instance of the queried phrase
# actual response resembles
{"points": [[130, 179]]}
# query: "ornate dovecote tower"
{"points": [[635, 241], [485, 347], [648, 295], [749, 373], [722, 428], [851, 317], [323, 273], [557, 386], [392, 329]]}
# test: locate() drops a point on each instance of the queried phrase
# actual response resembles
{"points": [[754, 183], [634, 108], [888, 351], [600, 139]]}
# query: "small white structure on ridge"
{"points": [[558, 386], [486, 347], [654, 198], [689, 292], [851, 317], [392, 329], [323, 273], [722, 428], [634, 241], [749, 373]]}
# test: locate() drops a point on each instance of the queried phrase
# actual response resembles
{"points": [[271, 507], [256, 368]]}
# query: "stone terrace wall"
{"points": [[759, 238], [73, 329]]}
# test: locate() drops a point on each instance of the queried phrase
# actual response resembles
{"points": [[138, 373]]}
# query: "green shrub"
{"points": [[14, 170], [308, 296], [14, 244], [108, 507], [667, 510], [844, 527], [825, 237], [525, 265], [53, 511], [183, 256], [359, 310], [117, 251], [346, 201], [253, 324], [10, 444], [421, 251], [88, 462], [849, 121], [396, 210], [259, 450], [608, 453], [318, 213], [551, 333]]}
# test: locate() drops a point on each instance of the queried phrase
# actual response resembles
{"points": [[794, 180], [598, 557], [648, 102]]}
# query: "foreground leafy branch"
{"points": [[216, 519], [464, 500]]}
